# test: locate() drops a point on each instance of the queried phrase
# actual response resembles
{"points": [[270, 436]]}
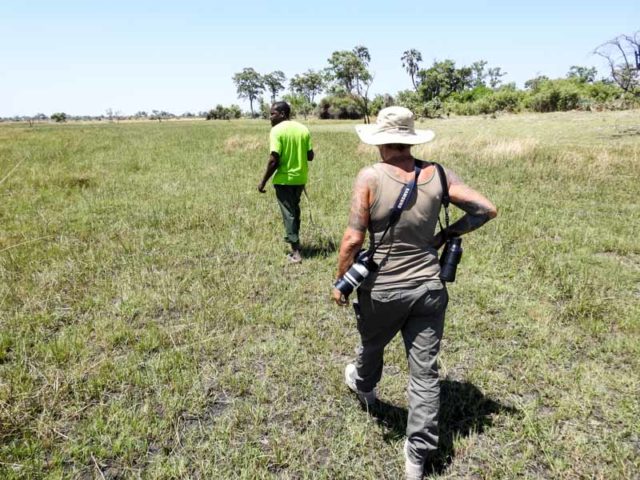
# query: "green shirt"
{"points": [[290, 140]]}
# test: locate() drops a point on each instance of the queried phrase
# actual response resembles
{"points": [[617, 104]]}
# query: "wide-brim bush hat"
{"points": [[394, 125]]}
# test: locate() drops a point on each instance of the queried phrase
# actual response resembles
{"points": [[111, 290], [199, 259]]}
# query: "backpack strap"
{"points": [[446, 199]]}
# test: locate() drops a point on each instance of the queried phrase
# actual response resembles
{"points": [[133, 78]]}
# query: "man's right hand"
{"points": [[261, 188], [439, 239]]}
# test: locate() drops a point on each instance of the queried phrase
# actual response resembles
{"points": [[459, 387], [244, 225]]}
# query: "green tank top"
{"points": [[406, 258]]}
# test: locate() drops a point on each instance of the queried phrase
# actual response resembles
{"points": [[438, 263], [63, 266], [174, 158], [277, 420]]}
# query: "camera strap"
{"points": [[445, 194], [403, 199]]}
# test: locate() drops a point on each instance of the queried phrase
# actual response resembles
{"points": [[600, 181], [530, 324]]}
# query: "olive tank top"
{"points": [[406, 258]]}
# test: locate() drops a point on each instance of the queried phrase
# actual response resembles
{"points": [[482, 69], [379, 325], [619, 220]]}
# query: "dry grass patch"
{"points": [[245, 143], [493, 151]]}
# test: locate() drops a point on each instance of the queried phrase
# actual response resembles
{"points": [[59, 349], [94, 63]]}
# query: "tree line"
{"points": [[439, 89], [218, 113], [444, 87]]}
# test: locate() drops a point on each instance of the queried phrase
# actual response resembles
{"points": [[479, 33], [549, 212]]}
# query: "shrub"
{"points": [[472, 95], [508, 100], [59, 117], [224, 113], [299, 104], [602, 92], [339, 107], [502, 100], [379, 102], [555, 95], [235, 111], [413, 101]]}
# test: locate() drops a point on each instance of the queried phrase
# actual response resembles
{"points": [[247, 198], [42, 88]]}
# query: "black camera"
{"points": [[360, 269], [450, 258]]}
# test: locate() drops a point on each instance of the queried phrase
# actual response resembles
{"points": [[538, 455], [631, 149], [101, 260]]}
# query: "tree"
{"points": [[381, 101], [442, 79], [160, 115], [478, 73], [299, 104], [494, 75], [349, 70], [274, 83], [308, 84], [249, 85], [411, 63], [583, 74], [59, 117], [623, 56], [535, 83]]}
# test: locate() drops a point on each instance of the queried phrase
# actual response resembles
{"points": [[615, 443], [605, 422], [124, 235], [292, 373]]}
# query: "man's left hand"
{"points": [[338, 297], [261, 188]]}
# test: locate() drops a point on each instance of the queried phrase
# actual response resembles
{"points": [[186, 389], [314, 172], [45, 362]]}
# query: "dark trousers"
{"points": [[289, 200]]}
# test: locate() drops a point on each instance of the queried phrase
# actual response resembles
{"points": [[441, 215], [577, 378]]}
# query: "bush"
{"points": [[59, 117], [472, 95], [299, 104], [224, 113], [379, 102], [339, 107], [601, 92], [412, 100], [508, 100], [555, 95], [503, 100], [235, 111]]}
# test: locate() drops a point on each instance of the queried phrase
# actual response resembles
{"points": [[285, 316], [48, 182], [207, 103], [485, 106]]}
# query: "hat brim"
{"points": [[370, 135]]}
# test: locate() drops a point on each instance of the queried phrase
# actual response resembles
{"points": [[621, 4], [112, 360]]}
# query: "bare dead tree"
{"points": [[623, 56]]}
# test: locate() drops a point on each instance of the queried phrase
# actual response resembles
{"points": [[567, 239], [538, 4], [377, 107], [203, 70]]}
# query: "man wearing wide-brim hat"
{"points": [[405, 294]]}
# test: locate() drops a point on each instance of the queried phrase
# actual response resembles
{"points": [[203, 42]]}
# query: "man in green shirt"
{"points": [[291, 149]]}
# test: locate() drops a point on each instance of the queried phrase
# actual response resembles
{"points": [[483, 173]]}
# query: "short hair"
{"points": [[282, 107]]}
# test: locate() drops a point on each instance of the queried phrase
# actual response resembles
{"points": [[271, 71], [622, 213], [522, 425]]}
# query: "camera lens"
{"points": [[352, 278], [450, 258]]}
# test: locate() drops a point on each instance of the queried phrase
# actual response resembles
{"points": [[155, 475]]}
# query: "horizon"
{"points": [[85, 59]]}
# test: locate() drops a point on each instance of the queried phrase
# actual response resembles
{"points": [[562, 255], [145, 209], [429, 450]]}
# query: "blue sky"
{"points": [[84, 56]]}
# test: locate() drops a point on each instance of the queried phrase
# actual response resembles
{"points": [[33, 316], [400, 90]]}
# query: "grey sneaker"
{"points": [[350, 374], [413, 471]]}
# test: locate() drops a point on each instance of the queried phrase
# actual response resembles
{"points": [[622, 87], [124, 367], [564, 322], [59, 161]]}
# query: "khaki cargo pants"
{"points": [[419, 315]]}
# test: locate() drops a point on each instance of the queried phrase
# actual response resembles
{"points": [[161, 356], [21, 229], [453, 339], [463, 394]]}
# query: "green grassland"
{"points": [[150, 326]]}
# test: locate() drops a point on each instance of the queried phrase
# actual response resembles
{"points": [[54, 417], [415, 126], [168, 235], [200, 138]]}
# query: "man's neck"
{"points": [[403, 161]]}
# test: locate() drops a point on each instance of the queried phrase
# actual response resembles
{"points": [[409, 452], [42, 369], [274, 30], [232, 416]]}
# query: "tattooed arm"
{"points": [[478, 209], [364, 190]]}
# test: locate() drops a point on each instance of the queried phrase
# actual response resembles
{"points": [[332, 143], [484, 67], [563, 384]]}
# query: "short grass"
{"points": [[151, 328]]}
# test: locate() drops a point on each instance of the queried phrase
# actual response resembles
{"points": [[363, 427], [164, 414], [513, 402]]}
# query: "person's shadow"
{"points": [[320, 247], [463, 410]]}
